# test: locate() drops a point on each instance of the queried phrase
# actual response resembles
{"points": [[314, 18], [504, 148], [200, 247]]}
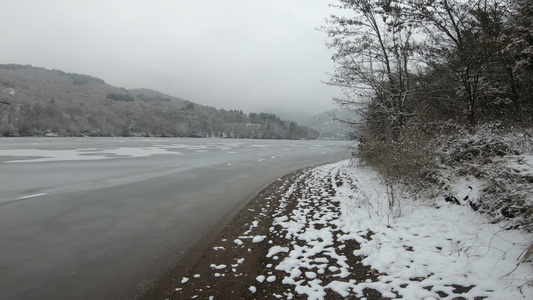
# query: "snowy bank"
{"points": [[428, 249]]}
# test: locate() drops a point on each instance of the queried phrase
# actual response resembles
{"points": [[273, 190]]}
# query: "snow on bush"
{"points": [[497, 168]]}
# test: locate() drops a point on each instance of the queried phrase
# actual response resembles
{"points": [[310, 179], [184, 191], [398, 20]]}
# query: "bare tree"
{"points": [[373, 51]]}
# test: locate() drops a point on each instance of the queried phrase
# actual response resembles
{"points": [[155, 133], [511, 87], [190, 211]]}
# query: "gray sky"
{"points": [[245, 54]]}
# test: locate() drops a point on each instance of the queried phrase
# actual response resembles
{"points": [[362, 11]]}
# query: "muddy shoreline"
{"points": [[200, 255]]}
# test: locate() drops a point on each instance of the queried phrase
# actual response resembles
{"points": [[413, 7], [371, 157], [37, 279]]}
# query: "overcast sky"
{"points": [[252, 55]]}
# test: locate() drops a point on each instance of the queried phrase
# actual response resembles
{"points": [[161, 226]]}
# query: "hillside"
{"points": [[37, 102], [335, 124]]}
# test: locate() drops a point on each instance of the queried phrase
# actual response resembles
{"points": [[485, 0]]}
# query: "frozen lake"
{"points": [[98, 218]]}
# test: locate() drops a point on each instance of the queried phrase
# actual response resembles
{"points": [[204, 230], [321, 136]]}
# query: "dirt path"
{"points": [[240, 262]]}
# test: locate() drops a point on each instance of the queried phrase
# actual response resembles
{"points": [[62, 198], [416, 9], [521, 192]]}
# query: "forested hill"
{"points": [[36, 102]]}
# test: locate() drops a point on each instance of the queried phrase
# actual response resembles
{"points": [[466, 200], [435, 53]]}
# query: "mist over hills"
{"points": [[40, 102], [334, 124]]}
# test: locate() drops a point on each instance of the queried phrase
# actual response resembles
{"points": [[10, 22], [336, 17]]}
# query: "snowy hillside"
{"points": [[39, 102]]}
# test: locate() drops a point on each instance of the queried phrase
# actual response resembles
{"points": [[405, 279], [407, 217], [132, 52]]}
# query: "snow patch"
{"points": [[276, 249], [258, 238]]}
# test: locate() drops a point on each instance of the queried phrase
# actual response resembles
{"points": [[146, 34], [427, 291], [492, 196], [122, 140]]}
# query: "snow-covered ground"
{"points": [[420, 249]]}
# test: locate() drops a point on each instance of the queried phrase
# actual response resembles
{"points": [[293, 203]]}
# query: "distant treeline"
{"points": [[120, 97], [145, 98]]}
